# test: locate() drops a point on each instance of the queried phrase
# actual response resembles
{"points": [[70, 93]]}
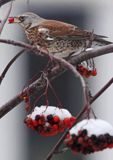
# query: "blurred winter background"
{"points": [[17, 142]]}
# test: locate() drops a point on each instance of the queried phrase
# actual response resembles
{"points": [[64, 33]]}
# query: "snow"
{"points": [[89, 49], [93, 126], [47, 110]]}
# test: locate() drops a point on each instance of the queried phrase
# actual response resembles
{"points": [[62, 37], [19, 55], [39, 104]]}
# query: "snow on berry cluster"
{"points": [[49, 120], [90, 135]]}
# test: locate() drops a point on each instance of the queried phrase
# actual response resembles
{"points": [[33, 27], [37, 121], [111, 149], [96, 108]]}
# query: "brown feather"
{"points": [[59, 29]]}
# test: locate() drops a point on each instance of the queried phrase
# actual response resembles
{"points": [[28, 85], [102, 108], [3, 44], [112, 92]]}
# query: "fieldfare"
{"points": [[56, 37]]}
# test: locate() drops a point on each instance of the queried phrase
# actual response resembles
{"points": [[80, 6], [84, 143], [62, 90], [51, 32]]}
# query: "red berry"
{"points": [[35, 123], [61, 129], [11, 20], [74, 151], [79, 132], [55, 127], [69, 142], [80, 140], [110, 145], [40, 122], [68, 136], [67, 122], [73, 119], [28, 120], [89, 141], [94, 72], [56, 119]]}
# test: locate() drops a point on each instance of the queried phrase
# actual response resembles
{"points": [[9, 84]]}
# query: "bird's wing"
{"points": [[61, 29]]}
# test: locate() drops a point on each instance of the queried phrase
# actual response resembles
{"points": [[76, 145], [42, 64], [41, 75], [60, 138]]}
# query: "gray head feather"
{"points": [[29, 19]]}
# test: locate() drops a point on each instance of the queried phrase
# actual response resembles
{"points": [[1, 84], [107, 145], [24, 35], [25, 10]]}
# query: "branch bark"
{"points": [[6, 15], [2, 2], [74, 60], [9, 65]]}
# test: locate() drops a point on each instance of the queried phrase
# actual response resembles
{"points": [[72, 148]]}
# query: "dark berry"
{"points": [[37, 117], [107, 135], [76, 144], [47, 129], [109, 140], [50, 117], [73, 136], [93, 137], [102, 139], [39, 128], [89, 150], [84, 132]]}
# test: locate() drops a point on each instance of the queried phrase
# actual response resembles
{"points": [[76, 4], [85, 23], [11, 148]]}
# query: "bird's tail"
{"points": [[100, 40]]}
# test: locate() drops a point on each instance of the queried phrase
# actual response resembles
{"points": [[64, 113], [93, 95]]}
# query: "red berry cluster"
{"points": [[86, 145], [86, 72], [49, 124]]}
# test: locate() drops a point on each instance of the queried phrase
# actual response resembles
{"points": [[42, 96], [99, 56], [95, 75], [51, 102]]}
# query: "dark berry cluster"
{"points": [[83, 142], [86, 145]]}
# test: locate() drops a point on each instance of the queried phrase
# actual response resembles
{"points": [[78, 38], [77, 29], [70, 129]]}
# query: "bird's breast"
{"points": [[65, 46]]}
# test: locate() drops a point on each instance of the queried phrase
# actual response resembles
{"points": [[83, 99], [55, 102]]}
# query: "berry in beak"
{"points": [[14, 20], [11, 19]]}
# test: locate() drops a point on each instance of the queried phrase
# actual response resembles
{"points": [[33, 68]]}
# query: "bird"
{"points": [[55, 37]]}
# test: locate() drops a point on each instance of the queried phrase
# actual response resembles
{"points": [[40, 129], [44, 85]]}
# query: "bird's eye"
{"points": [[21, 18]]}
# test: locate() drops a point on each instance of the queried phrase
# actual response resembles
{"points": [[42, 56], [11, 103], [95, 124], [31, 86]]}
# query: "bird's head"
{"points": [[26, 20]]}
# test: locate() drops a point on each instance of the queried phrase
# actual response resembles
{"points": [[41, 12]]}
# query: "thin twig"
{"points": [[62, 150], [9, 65], [102, 90], [19, 44], [38, 85], [6, 15]]}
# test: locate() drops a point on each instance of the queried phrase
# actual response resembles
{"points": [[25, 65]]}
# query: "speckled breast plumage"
{"points": [[63, 46]]}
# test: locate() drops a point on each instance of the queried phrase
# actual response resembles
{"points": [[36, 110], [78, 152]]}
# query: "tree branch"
{"points": [[74, 60], [2, 2], [92, 54], [9, 65], [33, 88], [102, 90], [6, 15]]}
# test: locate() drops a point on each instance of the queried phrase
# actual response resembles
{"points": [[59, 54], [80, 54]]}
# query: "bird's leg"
{"points": [[69, 56]]}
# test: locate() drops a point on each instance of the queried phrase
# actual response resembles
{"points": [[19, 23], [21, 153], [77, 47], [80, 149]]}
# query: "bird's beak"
{"points": [[13, 20]]}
